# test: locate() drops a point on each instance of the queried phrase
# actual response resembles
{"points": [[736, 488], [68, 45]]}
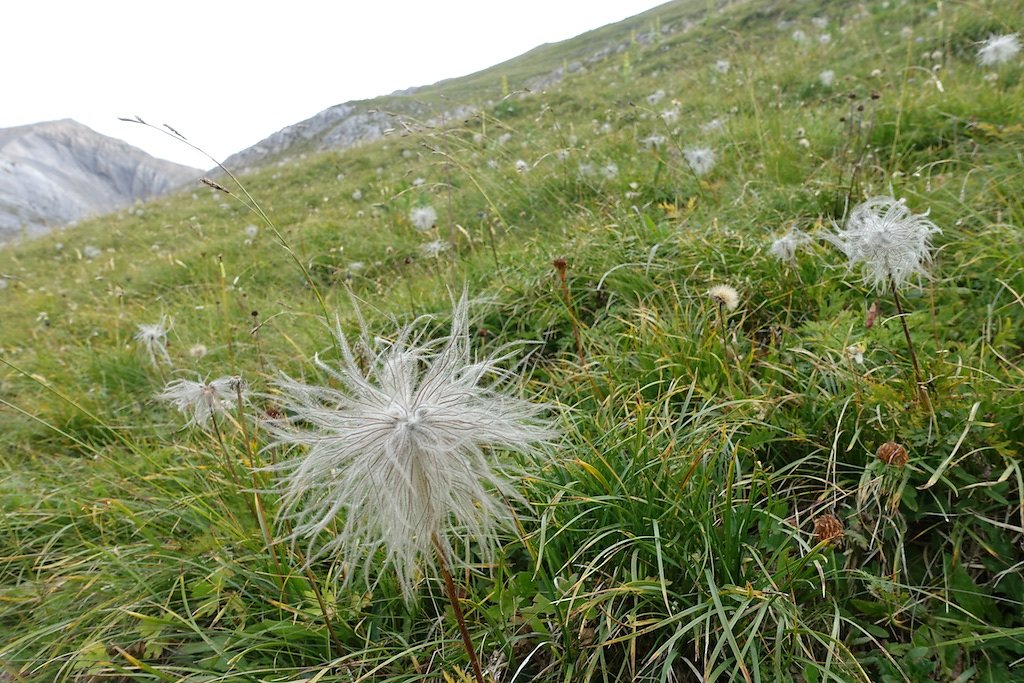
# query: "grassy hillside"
{"points": [[721, 503]]}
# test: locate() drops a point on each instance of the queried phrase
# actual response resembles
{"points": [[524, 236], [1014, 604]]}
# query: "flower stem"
{"points": [[453, 597], [921, 392], [332, 636]]}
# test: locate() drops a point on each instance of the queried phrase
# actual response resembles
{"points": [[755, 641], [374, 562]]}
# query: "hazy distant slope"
{"points": [[344, 125], [55, 172]]}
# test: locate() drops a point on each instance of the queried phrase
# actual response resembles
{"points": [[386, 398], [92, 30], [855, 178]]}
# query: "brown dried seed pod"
{"points": [[891, 453], [828, 529]]}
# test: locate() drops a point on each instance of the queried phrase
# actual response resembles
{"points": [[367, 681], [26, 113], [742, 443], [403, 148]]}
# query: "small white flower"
{"points": [[610, 170], [725, 296], [891, 241], [655, 97], [251, 231], [91, 252], [825, 38], [653, 141], [433, 249], [522, 166], [712, 126], [357, 195], [819, 22], [153, 339], [423, 217], [700, 159], [722, 66], [999, 49], [418, 181], [856, 352], [397, 451], [785, 247], [669, 116], [799, 36], [504, 138], [197, 351], [827, 78], [201, 401]]}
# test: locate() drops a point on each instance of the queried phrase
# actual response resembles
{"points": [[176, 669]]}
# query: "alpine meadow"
{"points": [[690, 349]]}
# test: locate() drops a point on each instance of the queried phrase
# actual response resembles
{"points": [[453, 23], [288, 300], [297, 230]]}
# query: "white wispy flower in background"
{"points": [[827, 77], [153, 339], [891, 241], [713, 126], [653, 141], [402, 448], [200, 401], [434, 248], [999, 49], [722, 66], [91, 252], [785, 247], [522, 166], [423, 217], [700, 159], [655, 97]]}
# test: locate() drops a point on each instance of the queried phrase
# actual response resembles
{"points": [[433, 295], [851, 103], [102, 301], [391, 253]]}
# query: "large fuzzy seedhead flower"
{"points": [[399, 453], [891, 241], [202, 400], [999, 50]]}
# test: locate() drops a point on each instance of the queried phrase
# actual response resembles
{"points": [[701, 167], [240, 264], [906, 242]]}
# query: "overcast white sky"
{"points": [[228, 73]]}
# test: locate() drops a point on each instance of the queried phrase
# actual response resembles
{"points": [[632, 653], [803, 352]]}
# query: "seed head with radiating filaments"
{"points": [[202, 400], [152, 337], [400, 453], [888, 238], [999, 49]]}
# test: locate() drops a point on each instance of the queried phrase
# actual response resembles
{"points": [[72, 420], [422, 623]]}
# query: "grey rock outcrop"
{"points": [[56, 172]]}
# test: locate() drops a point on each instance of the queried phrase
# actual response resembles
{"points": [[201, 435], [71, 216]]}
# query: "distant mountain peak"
{"points": [[56, 172]]}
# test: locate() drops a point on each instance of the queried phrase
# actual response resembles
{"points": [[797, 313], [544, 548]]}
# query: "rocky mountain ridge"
{"points": [[353, 123], [57, 172]]}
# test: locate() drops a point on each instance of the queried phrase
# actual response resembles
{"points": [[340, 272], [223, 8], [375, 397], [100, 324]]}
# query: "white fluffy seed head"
{"points": [[200, 401], [152, 338], [725, 296], [785, 247], [999, 49], [423, 217], [400, 453], [700, 159], [888, 239]]}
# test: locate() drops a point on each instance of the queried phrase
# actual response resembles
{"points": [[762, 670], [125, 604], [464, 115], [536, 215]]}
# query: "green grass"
{"points": [[670, 536]]}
